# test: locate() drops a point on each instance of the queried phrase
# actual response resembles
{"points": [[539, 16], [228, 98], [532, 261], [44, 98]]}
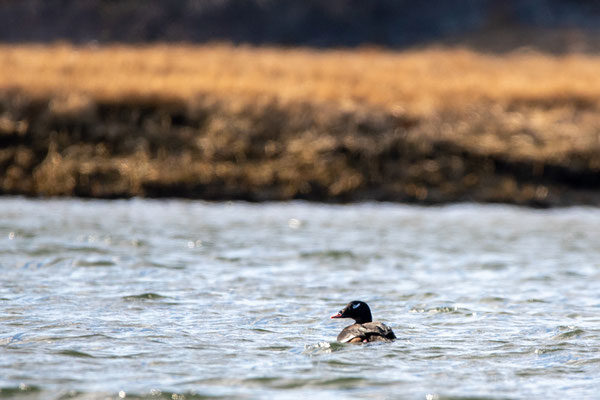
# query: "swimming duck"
{"points": [[364, 330]]}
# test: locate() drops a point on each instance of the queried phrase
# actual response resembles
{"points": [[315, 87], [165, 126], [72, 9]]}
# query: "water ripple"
{"points": [[176, 299]]}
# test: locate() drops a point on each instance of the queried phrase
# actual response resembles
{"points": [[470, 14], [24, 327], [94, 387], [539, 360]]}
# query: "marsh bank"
{"points": [[224, 122], [274, 151]]}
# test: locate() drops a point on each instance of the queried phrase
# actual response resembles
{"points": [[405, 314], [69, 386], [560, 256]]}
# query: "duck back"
{"points": [[369, 331]]}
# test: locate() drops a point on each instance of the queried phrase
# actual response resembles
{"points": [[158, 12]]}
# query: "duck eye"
{"points": [[355, 306]]}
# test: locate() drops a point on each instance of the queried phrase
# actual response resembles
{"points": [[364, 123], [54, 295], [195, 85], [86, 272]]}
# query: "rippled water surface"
{"points": [[163, 299]]}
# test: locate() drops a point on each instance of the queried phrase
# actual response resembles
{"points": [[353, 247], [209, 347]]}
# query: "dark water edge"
{"points": [[33, 392], [272, 151]]}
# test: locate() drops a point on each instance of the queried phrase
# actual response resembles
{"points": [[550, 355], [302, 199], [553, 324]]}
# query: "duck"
{"points": [[364, 329]]}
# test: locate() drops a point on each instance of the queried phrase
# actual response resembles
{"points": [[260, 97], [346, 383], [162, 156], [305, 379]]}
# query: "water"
{"points": [[163, 299]]}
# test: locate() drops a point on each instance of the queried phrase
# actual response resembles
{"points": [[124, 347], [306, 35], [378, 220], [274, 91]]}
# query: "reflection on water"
{"points": [[167, 298]]}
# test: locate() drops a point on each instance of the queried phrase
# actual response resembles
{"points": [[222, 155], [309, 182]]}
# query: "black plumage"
{"points": [[364, 330]]}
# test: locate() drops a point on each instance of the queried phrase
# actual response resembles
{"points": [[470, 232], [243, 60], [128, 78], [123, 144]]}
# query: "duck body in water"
{"points": [[364, 330]]}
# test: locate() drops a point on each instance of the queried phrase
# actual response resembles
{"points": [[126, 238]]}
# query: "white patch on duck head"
{"points": [[355, 306]]}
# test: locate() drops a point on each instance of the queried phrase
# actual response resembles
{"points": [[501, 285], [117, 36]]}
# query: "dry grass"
{"points": [[424, 125], [422, 81]]}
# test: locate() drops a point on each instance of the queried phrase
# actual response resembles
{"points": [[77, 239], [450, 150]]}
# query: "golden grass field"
{"points": [[527, 110], [420, 80]]}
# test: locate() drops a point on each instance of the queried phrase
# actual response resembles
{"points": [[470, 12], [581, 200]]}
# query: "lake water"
{"points": [[194, 300]]}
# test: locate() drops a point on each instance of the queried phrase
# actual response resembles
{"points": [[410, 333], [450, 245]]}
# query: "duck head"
{"points": [[357, 310]]}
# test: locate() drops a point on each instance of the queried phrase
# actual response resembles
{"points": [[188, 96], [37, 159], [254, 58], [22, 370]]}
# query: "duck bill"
{"points": [[338, 315]]}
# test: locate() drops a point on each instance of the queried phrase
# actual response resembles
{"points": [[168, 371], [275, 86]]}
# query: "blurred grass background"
{"points": [[432, 123]]}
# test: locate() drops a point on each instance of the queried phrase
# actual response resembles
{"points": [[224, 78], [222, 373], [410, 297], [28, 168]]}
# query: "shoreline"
{"points": [[355, 156], [431, 144]]}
